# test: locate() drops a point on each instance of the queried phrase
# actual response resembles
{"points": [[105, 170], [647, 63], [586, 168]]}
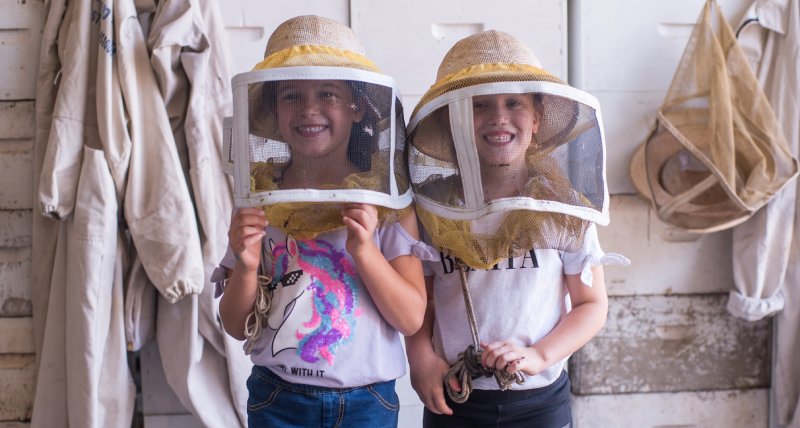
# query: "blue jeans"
{"points": [[273, 402], [546, 407]]}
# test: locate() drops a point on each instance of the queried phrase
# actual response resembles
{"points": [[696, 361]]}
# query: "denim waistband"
{"points": [[268, 375]]}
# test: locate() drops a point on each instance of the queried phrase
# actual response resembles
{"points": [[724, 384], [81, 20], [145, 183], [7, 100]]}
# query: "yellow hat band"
{"points": [[486, 73], [316, 55]]}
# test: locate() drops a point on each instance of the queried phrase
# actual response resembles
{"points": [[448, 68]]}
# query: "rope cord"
{"points": [[256, 319], [468, 365]]}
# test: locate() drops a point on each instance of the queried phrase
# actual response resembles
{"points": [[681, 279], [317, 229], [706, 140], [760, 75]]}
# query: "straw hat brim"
{"points": [[658, 167], [638, 174]]}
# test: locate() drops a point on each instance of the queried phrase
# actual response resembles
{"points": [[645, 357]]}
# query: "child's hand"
{"points": [[244, 236], [361, 221], [508, 356], [426, 379]]}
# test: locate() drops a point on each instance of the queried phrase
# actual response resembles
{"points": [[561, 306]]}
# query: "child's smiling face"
{"points": [[315, 117], [504, 127]]}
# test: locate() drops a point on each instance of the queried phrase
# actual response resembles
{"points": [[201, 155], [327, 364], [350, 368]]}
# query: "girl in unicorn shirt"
{"points": [[328, 350]]}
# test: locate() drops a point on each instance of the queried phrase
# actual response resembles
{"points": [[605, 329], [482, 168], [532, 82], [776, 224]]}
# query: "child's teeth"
{"points": [[499, 139]]}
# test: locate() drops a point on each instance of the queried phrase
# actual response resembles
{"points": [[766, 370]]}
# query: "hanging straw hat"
{"points": [[717, 153], [311, 40], [671, 170], [488, 57]]}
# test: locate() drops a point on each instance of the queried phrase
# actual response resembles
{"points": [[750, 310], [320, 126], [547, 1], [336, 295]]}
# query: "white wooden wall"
{"points": [[622, 51], [20, 36]]}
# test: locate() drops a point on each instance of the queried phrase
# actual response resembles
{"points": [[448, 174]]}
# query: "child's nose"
{"points": [[309, 105], [498, 115]]}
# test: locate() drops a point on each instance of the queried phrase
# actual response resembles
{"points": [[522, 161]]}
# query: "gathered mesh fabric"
{"points": [[717, 153]]}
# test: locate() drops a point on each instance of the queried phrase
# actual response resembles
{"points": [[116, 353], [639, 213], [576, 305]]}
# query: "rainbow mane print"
{"points": [[315, 301]]}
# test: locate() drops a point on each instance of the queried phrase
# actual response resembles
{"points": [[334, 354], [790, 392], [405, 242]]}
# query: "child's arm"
{"points": [[427, 368], [245, 235], [396, 287], [588, 314]]}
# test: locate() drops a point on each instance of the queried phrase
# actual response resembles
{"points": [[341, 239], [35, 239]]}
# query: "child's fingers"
{"points": [[515, 365], [454, 385], [253, 238], [499, 354], [358, 215], [439, 405], [353, 226], [250, 218], [363, 213]]}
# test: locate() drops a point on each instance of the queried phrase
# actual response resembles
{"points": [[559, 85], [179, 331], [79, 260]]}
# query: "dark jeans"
{"points": [[273, 402], [546, 407]]}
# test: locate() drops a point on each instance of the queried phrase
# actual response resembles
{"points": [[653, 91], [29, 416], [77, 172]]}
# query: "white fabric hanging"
{"points": [[187, 46], [44, 229], [766, 248], [108, 142], [79, 381], [100, 391]]}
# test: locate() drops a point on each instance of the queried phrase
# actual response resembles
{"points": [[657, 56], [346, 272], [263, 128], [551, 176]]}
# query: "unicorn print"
{"points": [[315, 299]]}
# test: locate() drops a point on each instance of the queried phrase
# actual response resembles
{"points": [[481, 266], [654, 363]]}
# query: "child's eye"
{"points": [[513, 103], [479, 105], [328, 95], [288, 96]]}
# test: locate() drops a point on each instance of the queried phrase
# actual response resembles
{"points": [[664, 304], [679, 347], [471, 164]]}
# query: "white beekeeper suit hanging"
{"points": [[766, 249]]}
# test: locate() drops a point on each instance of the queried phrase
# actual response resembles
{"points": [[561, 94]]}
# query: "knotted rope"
{"points": [[255, 320], [468, 365]]}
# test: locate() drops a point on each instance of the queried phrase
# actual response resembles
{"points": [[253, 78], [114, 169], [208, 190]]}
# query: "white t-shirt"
{"points": [[324, 329], [520, 299]]}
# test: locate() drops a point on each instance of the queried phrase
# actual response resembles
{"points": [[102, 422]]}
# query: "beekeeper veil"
{"points": [[316, 125], [505, 157]]}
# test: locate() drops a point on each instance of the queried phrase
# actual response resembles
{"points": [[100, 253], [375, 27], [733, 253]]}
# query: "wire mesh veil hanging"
{"points": [[717, 153]]}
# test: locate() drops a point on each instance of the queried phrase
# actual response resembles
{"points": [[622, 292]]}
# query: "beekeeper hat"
{"points": [[566, 188], [717, 153], [488, 57], [311, 40], [313, 48]]}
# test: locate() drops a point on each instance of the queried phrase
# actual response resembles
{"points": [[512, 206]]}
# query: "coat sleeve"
{"points": [[157, 204]]}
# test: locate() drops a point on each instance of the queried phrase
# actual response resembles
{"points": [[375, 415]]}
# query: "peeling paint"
{"points": [[672, 343], [16, 307]]}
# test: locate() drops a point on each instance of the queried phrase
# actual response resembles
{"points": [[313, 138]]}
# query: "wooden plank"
{"points": [[247, 28], [15, 283], [16, 336], [15, 228], [16, 187], [729, 409], [672, 343], [664, 260], [430, 28], [20, 38], [17, 120], [16, 386]]}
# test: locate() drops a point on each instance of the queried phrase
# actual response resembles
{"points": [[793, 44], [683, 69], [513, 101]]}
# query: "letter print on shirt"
{"points": [[315, 300]]}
